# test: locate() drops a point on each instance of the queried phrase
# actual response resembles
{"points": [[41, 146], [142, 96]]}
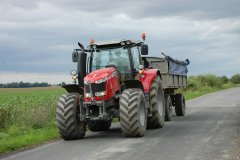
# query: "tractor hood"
{"points": [[99, 74]]}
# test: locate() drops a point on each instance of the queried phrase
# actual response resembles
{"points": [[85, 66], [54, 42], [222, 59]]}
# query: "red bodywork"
{"points": [[147, 78], [112, 83]]}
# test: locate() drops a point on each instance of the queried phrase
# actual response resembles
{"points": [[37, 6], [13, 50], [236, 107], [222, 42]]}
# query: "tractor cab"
{"points": [[123, 55]]}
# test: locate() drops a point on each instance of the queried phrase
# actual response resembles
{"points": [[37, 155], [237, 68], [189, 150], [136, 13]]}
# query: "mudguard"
{"points": [[73, 88], [134, 84], [147, 78]]}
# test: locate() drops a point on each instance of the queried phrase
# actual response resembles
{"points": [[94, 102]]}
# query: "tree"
{"points": [[235, 79], [224, 79]]}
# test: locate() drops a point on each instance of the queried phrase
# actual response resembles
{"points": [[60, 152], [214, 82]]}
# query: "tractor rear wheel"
{"points": [[96, 126], [157, 102], [180, 104], [168, 108], [133, 113], [67, 115]]}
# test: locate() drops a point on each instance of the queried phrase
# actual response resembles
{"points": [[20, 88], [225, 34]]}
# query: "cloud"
{"points": [[153, 8], [39, 36]]}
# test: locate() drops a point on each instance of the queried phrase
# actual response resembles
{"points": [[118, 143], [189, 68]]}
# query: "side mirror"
{"points": [[75, 56], [144, 49]]}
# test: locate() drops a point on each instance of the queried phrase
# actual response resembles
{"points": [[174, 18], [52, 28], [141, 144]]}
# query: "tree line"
{"points": [[24, 85], [211, 80]]}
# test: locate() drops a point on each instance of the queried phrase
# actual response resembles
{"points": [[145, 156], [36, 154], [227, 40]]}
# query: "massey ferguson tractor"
{"points": [[115, 79]]}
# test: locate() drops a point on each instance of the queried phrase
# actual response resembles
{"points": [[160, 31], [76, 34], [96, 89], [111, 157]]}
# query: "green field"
{"points": [[27, 116]]}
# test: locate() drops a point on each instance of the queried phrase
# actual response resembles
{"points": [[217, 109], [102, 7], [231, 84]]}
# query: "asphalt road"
{"points": [[207, 132]]}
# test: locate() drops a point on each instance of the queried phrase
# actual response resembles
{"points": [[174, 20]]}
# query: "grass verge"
{"points": [[30, 138], [190, 94]]}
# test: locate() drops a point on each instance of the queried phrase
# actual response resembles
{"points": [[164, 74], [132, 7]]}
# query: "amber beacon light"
{"points": [[143, 36], [91, 41]]}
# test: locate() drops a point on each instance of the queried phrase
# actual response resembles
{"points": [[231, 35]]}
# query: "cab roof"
{"points": [[112, 43]]}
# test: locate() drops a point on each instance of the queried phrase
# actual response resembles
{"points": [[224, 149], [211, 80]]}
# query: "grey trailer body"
{"points": [[173, 75]]}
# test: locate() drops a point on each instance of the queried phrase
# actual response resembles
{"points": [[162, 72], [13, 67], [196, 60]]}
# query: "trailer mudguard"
{"points": [[147, 78], [73, 88]]}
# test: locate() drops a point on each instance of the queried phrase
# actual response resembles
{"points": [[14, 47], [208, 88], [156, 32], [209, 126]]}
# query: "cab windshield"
{"points": [[114, 56]]}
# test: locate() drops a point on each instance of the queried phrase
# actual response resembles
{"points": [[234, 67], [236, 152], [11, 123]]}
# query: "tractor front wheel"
{"points": [[67, 115], [133, 114]]}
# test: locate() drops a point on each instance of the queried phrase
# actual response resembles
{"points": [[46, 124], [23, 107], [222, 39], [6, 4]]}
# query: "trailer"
{"points": [[173, 73], [174, 76]]}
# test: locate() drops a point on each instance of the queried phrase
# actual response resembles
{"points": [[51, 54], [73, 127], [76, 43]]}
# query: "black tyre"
{"points": [[67, 115], [133, 115], [168, 108], [157, 102], [96, 126], [180, 104]]}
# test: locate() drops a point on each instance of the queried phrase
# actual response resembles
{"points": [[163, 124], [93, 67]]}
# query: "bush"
{"points": [[235, 79], [207, 80], [224, 79], [193, 83]]}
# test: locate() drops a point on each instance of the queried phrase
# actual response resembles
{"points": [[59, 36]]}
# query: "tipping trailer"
{"points": [[174, 76], [115, 79]]}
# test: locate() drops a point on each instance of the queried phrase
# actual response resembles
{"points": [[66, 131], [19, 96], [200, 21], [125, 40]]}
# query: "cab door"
{"points": [[136, 59]]}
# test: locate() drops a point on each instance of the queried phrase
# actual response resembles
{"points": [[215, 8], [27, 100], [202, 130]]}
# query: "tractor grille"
{"points": [[95, 87]]}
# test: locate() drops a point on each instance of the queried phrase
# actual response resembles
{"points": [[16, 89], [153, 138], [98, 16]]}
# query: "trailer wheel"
{"points": [[157, 102], [168, 108], [67, 115], [180, 104], [133, 114], [96, 126]]}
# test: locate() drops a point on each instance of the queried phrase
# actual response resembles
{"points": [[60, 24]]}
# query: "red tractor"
{"points": [[114, 80]]}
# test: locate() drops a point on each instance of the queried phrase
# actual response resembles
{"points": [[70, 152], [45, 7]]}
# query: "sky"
{"points": [[37, 37]]}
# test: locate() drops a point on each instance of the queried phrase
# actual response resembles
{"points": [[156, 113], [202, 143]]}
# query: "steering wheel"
{"points": [[111, 65]]}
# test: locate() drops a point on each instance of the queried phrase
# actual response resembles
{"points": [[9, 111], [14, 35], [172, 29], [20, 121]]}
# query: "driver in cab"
{"points": [[122, 63]]}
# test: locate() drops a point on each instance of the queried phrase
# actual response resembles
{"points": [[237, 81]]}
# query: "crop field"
{"points": [[27, 116]]}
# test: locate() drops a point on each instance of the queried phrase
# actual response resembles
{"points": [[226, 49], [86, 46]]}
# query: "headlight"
{"points": [[88, 95], [74, 77], [101, 80], [73, 73], [100, 93]]}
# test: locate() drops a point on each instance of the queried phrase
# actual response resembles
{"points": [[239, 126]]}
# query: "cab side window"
{"points": [[136, 56]]}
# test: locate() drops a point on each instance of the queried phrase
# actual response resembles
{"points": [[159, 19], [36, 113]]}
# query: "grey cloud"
{"points": [[195, 9]]}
